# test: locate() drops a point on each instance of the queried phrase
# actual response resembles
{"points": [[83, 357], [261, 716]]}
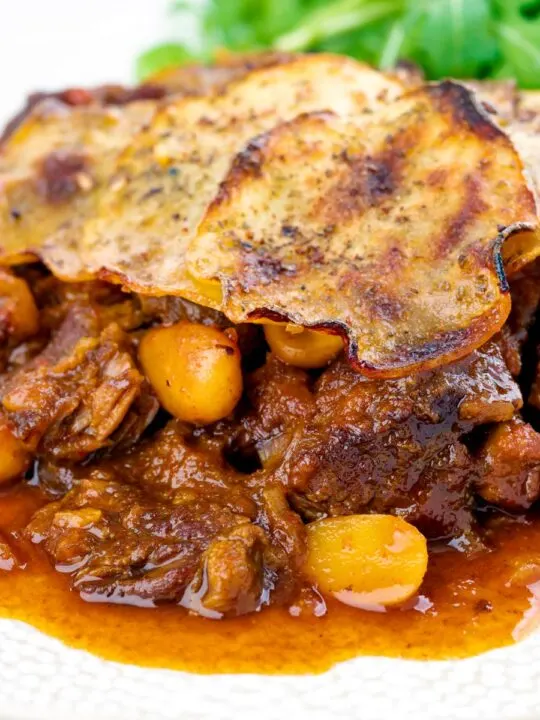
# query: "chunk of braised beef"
{"points": [[287, 548], [254, 564], [121, 543], [168, 522], [168, 310], [73, 397], [510, 466], [109, 303], [280, 400], [171, 466], [525, 291], [55, 478], [395, 445], [233, 572], [139, 416]]}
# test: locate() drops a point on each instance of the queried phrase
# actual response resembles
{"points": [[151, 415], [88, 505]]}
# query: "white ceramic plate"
{"points": [[41, 679], [55, 43]]}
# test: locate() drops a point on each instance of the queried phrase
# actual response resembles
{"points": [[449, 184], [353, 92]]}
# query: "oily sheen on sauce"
{"points": [[467, 606]]}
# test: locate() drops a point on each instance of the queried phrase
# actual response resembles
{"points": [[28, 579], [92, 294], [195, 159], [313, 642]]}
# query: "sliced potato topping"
{"points": [[381, 223], [518, 112], [386, 230], [50, 169], [158, 188], [524, 131], [366, 560], [171, 172]]}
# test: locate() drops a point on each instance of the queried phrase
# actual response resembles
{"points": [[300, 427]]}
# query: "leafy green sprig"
{"points": [[457, 38]]}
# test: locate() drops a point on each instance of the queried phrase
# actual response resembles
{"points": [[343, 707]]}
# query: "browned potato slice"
{"points": [[171, 173], [523, 248], [518, 112], [386, 230], [50, 168], [148, 200]]}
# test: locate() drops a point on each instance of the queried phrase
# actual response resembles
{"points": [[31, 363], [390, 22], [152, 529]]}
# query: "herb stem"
{"points": [[391, 49], [332, 20], [518, 40]]}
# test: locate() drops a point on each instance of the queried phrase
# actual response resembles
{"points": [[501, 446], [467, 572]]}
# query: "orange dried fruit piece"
{"points": [[300, 347], [194, 369], [366, 560], [14, 458]]}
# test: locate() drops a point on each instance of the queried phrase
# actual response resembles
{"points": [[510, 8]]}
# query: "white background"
{"points": [[51, 44]]}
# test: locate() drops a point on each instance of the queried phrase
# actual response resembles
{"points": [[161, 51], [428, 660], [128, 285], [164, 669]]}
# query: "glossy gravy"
{"points": [[467, 606]]}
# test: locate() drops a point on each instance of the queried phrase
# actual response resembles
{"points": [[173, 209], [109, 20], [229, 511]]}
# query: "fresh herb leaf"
{"points": [[520, 45], [366, 43], [161, 57], [530, 10], [459, 38], [453, 38], [518, 29], [334, 19], [393, 43]]}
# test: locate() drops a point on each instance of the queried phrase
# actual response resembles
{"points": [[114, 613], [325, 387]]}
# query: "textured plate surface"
{"points": [[41, 679]]}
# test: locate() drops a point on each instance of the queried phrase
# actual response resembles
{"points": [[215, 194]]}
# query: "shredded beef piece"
{"points": [[510, 466], [169, 522], [108, 302], [234, 571], [168, 310], [172, 467], [253, 562], [287, 549], [71, 399], [56, 478]]}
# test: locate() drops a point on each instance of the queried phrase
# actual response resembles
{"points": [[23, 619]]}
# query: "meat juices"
{"points": [[214, 517]]}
